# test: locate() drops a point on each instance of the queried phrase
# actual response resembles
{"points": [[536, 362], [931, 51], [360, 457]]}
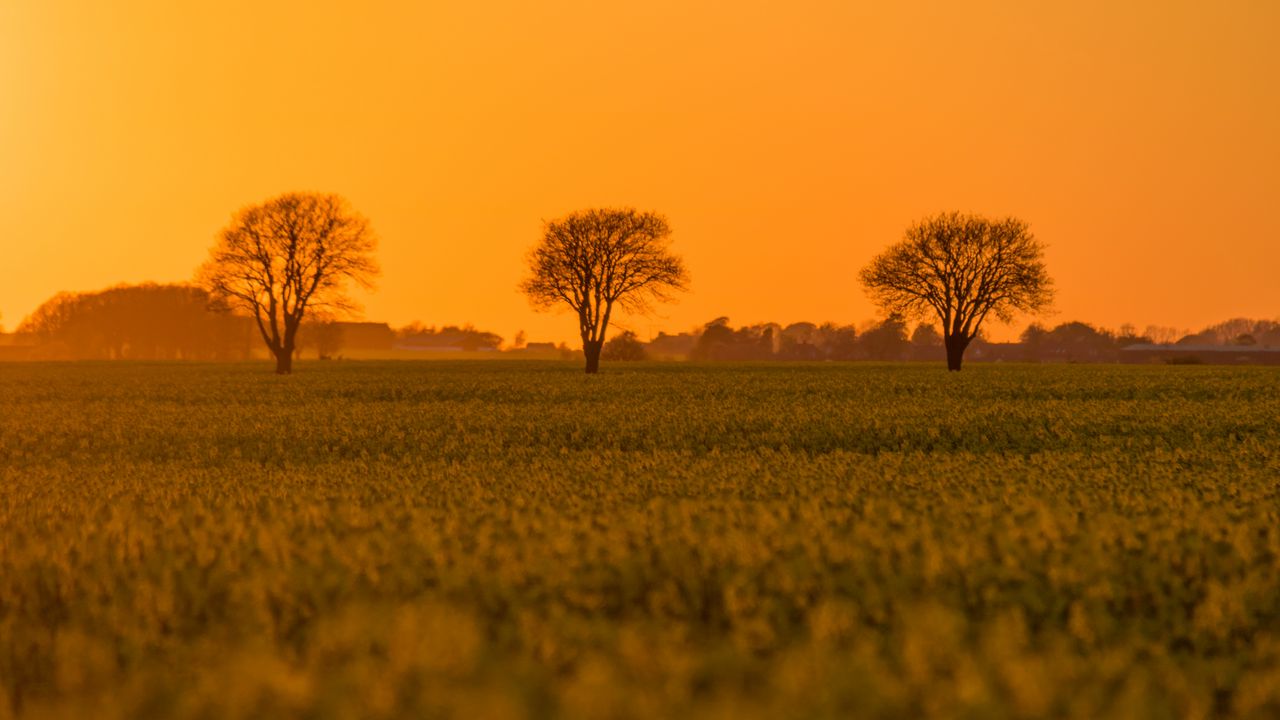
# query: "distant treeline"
{"points": [[894, 339], [891, 339], [466, 338], [182, 322], [138, 322], [1081, 342]]}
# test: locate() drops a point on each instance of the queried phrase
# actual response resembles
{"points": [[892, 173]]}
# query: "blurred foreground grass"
{"points": [[514, 539]]}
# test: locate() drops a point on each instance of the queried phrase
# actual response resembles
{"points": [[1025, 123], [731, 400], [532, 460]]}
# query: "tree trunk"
{"points": [[592, 351], [956, 345], [284, 361]]}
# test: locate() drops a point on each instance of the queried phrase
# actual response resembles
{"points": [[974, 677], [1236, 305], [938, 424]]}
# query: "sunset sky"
{"points": [[787, 142]]}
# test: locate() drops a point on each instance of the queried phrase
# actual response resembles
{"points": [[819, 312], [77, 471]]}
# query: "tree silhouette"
{"points": [[887, 340], [624, 347], [592, 260], [294, 253], [322, 334], [963, 268], [926, 342]]}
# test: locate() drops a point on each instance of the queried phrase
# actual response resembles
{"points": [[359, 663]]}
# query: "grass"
{"points": [[514, 539]]}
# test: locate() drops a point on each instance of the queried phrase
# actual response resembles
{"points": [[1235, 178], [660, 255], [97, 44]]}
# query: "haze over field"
{"points": [[786, 143], [696, 281]]}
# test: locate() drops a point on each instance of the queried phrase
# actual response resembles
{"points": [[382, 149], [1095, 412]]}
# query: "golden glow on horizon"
{"points": [[786, 143]]}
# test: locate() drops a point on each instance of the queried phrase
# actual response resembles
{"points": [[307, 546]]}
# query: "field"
{"points": [[514, 539]]}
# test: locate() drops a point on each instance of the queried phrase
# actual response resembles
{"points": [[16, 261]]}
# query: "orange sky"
{"points": [[787, 142]]}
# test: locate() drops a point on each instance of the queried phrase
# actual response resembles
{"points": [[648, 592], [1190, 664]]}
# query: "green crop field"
{"points": [[514, 539]]}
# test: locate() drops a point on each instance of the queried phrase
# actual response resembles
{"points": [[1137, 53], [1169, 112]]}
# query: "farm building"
{"points": [[366, 335]]}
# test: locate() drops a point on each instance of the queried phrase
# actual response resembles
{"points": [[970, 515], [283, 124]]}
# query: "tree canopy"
{"points": [[295, 253], [594, 260], [963, 269]]}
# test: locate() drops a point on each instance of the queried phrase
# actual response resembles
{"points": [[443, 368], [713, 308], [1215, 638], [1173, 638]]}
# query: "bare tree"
{"points": [[292, 254], [964, 269], [1161, 335], [593, 260]]}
